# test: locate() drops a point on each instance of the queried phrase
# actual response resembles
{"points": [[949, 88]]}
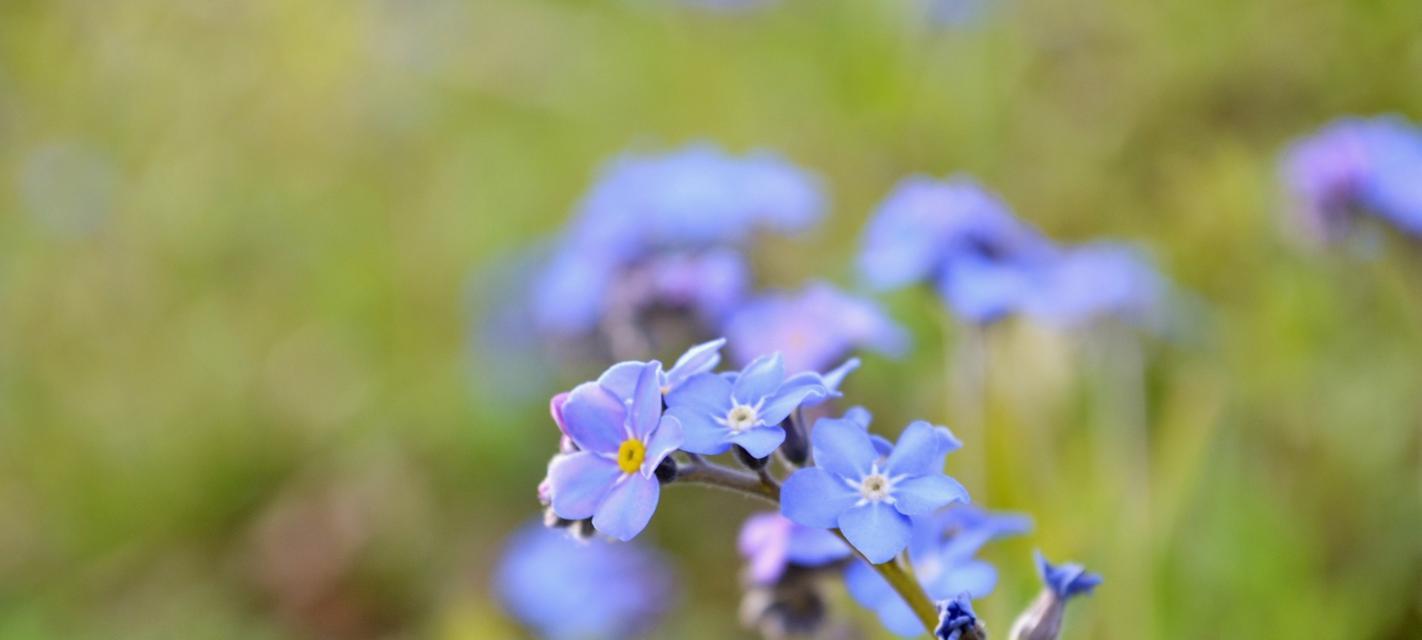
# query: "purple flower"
{"points": [[957, 620], [1098, 280], [1356, 166], [620, 442], [562, 588], [770, 542], [870, 500], [957, 237], [1043, 619], [942, 551], [746, 410], [813, 328]]}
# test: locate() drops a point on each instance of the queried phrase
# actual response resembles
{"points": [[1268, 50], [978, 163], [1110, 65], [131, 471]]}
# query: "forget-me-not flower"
{"points": [[870, 500], [959, 238], [745, 409], [565, 589], [770, 542], [958, 621], [1043, 620], [620, 442], [942, 552], [1095, 281], [1352, 167], [812, 329]]}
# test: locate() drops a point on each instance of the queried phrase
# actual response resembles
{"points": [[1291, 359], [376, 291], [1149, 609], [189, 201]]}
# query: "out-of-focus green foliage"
{"points": [[237, 397]]}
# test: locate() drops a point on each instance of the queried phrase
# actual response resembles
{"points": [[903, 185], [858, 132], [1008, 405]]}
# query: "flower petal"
{"points": [[759, 379], [666, 439], [621, 378], [706, 392], [579, 481], [700, 433], [870, 589], [595, 418], [628, 507], [915, 452], [842, 448], [813, 547], [759, 441], [974, 577], [925, 494], [698, 359], [763, 541], [787, 399], [647, 400], [876, 530], [815, 498]]}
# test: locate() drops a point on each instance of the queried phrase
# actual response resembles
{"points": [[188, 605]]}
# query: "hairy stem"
{"points": [[899, 576]]}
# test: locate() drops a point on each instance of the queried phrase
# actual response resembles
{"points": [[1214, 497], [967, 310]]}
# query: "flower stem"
{"points": [[899, 576]]}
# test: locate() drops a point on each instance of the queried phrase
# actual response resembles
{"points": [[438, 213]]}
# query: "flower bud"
{"points": [[748, 460], [1043, 620], [666, 471]]}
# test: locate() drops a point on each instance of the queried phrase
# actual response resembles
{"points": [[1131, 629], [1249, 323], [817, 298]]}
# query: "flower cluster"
{"points": [[1356, 167], [883, 516], [964, 241]]}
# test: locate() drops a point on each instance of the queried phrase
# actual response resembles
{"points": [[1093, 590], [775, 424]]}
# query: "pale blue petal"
{"points": [[915, 452], [815, 498], [707, 393], [621, 378], [628, 507], [579, 481], [786, 400], [700, 433], [876, 530], [813, 547], [759, 379], [667, 438], [699, 359], [926, 494], [860, 416], [595, 418], [759, 441], [842, 448], [647, 400], [974, 577], [868, 588]]}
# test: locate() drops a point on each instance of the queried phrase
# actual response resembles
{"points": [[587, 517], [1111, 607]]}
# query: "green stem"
{"points": [[899, 576]]}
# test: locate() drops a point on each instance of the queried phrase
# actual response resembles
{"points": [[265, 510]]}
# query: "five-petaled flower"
{"points": [[743, 409], [621, 440], [869, 498]]}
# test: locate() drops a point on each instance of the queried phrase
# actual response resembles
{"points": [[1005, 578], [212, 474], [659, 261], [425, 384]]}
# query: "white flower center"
{"points": [[874, 487], [742, 416]]}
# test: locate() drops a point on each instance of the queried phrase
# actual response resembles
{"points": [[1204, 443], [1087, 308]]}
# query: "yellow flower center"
{"points": [[630, 455]]}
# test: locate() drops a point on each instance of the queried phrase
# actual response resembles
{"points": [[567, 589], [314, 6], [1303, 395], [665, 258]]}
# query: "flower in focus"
{"points": [[942, 552], [620, 442], [957, 621], [621, 379], [746, 409], [770, 543], [957, 237], [813, 328], [664, 230], [1356, 166], [1098, 280], [868, 498], [562, 588], [1043, 620]]}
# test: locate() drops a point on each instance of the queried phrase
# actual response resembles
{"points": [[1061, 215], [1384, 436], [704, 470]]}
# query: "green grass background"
{"points": [[237, 239]]}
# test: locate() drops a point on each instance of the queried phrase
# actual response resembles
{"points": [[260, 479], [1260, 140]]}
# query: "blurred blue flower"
{"points": [[746, 409], [1098, 280], [1356, 166], [942, 551], [869, 502], [1043, 619], [957, 620], [813, 328], [770, 542], [957, 237], [680, 216], [565, 589], [620, 443]]}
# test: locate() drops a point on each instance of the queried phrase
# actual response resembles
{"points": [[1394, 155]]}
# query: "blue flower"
{"points": [[1065, 580], [956, 619], [813, 328], [562, 588], [1356, 166], [1043, 619], [620, 442], [1095, 281], [942, 551], [621, 379], [770, 542], [957, 237], [746, 409], [870, 500]]}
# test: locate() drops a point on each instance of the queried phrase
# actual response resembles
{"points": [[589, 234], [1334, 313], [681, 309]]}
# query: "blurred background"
{"points": [[246, 248]]}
